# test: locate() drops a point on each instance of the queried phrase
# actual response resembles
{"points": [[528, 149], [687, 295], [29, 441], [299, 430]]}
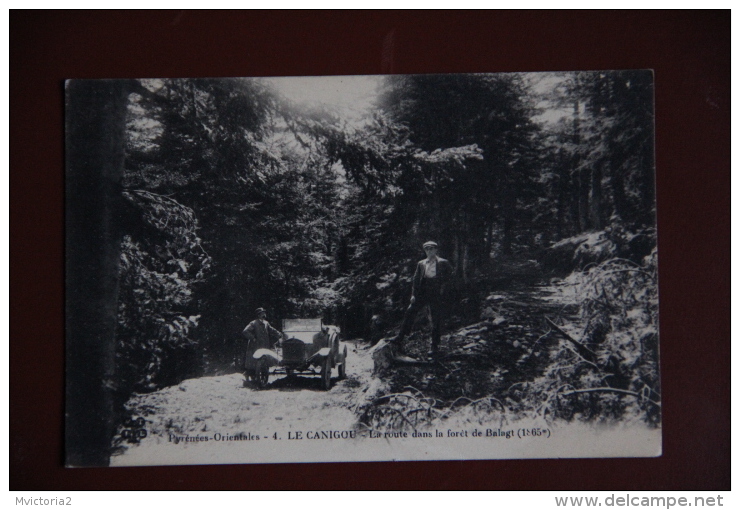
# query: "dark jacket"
{"points": [[444, 274], [260, 336]]}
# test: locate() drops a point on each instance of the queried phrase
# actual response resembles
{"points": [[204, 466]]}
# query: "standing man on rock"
{"points": [[431, 279]]}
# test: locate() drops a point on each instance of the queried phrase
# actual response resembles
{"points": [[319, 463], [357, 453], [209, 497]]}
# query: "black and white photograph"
{"points": [[361, 268]]}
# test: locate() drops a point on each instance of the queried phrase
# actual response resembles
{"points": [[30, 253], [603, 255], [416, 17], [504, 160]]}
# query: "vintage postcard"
{"points": [[361, 268]]}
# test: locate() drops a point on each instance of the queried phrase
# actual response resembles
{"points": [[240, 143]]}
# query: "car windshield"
{"points": [[301, 325]]}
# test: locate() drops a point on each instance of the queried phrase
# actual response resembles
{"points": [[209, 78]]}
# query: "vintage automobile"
{"points": [[308, 347]]}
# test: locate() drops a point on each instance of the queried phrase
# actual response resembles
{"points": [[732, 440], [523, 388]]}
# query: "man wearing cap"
{"points": [[432, 276], [259, 335]]}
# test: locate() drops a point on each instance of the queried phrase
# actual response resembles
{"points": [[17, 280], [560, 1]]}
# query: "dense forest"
{"points": [[236, 196]]}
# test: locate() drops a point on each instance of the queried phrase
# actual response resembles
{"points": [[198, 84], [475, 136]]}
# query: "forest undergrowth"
{"points": [[579, 349]]}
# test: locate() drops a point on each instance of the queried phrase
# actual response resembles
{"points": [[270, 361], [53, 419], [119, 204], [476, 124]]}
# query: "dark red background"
{"points": [[690, 53]]}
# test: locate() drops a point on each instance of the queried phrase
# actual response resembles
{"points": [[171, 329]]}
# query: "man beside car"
{"points": [[260, 335]]}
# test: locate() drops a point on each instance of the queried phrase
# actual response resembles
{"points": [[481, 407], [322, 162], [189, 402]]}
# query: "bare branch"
{"points": [[584, 351], [612, 390]]}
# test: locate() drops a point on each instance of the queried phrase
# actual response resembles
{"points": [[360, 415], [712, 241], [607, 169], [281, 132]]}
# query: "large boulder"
{"points": [[382, 354]]}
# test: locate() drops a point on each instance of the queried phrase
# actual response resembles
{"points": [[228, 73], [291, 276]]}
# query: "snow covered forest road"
{"points": [[218, 417], [220, 409], [511, 367]]}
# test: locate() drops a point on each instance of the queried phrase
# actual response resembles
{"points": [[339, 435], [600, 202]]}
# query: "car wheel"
{"points": [[343, 366], [261, 373], [326, 374]]}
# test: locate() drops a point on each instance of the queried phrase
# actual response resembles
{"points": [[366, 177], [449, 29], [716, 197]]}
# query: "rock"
{"points": [[382, 354], [469, 346], [487, 313], [516, 343]]}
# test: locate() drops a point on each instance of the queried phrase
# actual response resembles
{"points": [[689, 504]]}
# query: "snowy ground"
{"points": [[208, 406], [216, 420]]}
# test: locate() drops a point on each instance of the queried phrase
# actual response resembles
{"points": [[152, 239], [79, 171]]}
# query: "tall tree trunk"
{"points": [[508, 223], [456, 255], [466, 237], [583, 180], [96, 124], [489, 242], [584, 186], [562, 203], [595, 207], [621, 206], [465, 262]]}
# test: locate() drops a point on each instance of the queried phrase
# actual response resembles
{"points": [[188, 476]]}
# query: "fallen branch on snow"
{"points": [[584, 351]]}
